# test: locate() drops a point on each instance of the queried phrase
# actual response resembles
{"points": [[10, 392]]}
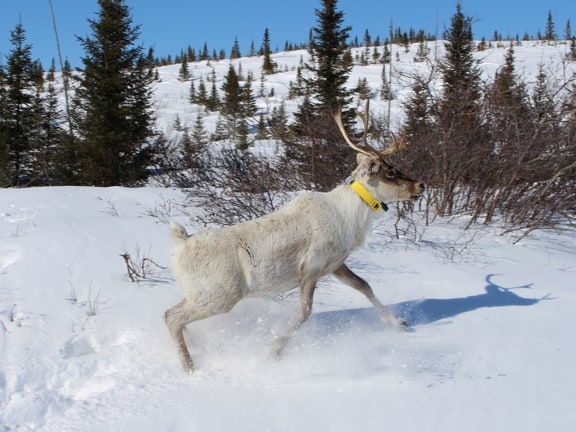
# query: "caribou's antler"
{"points": [[365, 117], [366, 148], [395, 146]]}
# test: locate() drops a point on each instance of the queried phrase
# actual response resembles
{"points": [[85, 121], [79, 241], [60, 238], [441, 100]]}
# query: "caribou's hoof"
{"points": [[279, 346], [404, 326]]}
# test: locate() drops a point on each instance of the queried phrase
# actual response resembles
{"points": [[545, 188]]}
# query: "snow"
{"points": [[84, 349]]}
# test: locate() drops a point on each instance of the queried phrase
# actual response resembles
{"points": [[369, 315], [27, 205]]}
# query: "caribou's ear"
{"points": [[368, 165]]}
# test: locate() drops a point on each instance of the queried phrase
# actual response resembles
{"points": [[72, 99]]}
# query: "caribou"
{"points": [[293, 247]]}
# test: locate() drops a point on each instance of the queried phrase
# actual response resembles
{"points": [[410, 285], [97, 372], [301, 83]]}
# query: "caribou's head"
{"points": [[378, 176]]}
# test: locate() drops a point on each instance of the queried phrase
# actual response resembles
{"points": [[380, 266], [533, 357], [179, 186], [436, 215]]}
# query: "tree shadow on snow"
{"points": [[427, 311]]}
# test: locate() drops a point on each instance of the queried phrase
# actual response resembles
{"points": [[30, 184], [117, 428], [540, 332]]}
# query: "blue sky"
{"points": [[171, 25]]}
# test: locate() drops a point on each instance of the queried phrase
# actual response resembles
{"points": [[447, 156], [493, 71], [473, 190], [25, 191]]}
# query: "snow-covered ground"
{"points": [[83, 348], [491, 347]]}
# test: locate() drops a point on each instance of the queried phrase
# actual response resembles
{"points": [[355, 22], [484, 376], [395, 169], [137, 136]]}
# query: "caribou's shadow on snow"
{"points": [[427, 311], [417, 312]]}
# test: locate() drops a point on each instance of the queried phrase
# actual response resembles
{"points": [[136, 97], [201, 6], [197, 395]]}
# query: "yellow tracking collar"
{"points": [[367, 197]]}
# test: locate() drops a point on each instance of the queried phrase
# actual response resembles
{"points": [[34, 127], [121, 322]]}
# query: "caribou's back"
{"points": [[273, 253]]}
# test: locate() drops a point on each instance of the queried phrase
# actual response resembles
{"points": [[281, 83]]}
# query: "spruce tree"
{"points": [[213, 102], [550, 34], [252, 52], [191, 54], [202, 96], [419, 119], [20, 108], [268, 66], [194, 142], [249, 107], [367, 39], [508, 105], [460, 73], [52, 138], [385, 90], [303, 118], [375, 55], [184, 72], [231, 103], [422, 52], [542, 99], [237, 105], [261, 129], [4, 136], [321, 156], [114, 100], [235, 53], [330, 71], [231, 106], [571, 55], [461, 145], [204, 55], [363, 89], [192, 98], [387, 55], [508, 90], [510, 101], [242, 134], [199, 135], [279, 122]]}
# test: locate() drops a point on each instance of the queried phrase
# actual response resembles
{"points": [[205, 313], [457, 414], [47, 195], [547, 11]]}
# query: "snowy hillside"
{"points": [[84, 349], [172, 95]]}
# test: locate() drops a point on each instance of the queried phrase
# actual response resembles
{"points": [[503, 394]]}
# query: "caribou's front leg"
{"points": [[306, 299], [347, 276]]}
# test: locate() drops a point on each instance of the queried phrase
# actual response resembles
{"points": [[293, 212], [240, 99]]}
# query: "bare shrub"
{"points": [[93, 303], [318, 156], [516, 164], [141, 267], [237, 185], [13, 313]]}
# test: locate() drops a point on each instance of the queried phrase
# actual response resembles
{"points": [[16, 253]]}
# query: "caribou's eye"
{"points": [[392, 174]]}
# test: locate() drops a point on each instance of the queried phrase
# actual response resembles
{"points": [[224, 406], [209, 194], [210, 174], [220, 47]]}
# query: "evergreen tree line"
{"points": [[106, 136], [485, 149], [396, 36]]}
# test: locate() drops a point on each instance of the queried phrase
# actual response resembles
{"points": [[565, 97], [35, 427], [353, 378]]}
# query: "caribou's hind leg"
{"points": [[176, 318], [347, 276], [188, 311]]}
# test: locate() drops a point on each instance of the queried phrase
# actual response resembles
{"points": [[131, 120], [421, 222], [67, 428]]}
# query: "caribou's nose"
{"points": [[422, 186]]}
